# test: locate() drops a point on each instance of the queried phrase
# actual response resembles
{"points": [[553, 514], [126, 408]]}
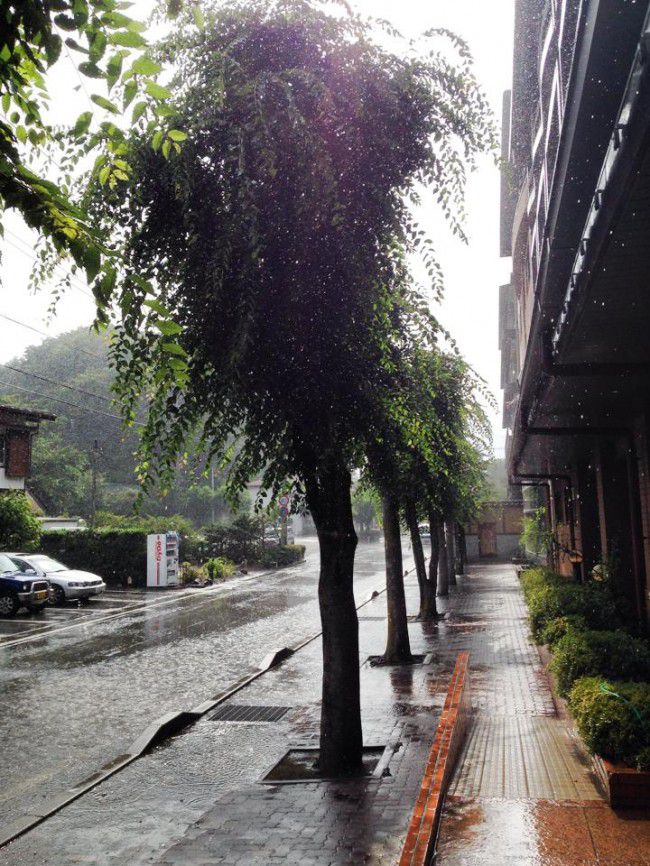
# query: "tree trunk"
{"points": [[430, 610], [462, 550], [341, 739], [418, 552], [398, 647], [450, 533], [443, 562]]}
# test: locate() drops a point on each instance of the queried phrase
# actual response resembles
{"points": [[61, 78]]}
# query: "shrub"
{"points": [[614, 726], [237, 541], [536, 535], [556, 629], [599, 653], [19, 528], [219, 568], [550, 597], [191, 572], [114, 554], [279, 556], [145, 523]]}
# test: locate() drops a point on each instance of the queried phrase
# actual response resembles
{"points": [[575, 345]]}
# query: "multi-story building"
{"points": [[575, 318]]}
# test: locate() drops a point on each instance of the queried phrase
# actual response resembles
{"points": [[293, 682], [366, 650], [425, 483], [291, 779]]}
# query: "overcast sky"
{"points": [[473, 273]]}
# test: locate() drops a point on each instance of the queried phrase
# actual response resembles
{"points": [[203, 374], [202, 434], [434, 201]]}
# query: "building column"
{"points": [[587, 514], [620, 527]]}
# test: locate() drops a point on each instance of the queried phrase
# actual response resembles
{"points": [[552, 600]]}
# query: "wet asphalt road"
{"points": [[80, 684]]}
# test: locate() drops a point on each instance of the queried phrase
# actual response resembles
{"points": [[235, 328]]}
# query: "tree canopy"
{"points": [[39, 161], [266, 292], [271, 251]]}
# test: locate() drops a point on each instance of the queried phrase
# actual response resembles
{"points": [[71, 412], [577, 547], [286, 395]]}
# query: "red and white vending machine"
{"points": [[163, 560]]}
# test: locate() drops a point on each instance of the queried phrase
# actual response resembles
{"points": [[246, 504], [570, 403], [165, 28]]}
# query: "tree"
{"points": [[364, 509], [113, 54], [60, 476], [266, 281], [19, 528]]}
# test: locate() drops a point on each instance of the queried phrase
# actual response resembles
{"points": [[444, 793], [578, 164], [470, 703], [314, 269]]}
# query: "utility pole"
{"points": [[94, 454]]}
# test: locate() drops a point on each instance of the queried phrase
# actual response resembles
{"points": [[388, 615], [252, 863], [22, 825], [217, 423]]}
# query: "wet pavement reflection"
{"points": [[82, 683]]}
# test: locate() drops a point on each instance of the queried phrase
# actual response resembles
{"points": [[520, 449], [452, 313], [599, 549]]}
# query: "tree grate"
{"points": [[247, 713]]}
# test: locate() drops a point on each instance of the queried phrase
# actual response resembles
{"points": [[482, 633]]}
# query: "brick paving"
{"points": [[523, 792]]}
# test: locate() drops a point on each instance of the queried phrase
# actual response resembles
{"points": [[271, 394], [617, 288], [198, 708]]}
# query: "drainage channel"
{"points": [[158, 731]]}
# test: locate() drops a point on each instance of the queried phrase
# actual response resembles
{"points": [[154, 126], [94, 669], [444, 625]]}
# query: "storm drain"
{"points": [[247, 713]]}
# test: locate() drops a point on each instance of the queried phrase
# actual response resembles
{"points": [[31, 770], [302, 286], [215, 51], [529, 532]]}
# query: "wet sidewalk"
{"points": [[523, 792]]}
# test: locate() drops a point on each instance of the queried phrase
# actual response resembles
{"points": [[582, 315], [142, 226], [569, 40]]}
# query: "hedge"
{"points": [[615, 726], [114, 554], [280, 556], [550, 597], [610, 654]]}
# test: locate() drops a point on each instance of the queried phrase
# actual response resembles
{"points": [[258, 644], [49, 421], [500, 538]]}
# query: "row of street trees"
{"points": [[263, 224]]}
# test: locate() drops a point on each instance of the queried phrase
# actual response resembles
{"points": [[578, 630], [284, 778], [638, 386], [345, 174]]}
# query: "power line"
{"points": [[56, 382], [49, 336], [67, 403], [28, 253]]}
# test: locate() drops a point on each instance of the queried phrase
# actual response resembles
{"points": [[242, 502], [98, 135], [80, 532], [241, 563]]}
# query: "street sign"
{"points": [[284, 512], [284, 501]]}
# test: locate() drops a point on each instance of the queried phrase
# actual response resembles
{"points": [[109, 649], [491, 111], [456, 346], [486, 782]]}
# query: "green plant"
{"points": [[117, 555], [556, 629], [146, 524], [191, 572], [536, 535], [598, 653], [219, 568], [613, 718], [240, 540], [19, 528], [280, 556], [550, 596]]}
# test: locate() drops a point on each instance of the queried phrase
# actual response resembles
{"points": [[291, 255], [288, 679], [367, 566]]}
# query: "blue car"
{"points": [[20, 589]]}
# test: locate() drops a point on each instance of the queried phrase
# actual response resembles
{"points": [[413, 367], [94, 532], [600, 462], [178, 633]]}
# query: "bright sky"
{"points": [[472, 273]]}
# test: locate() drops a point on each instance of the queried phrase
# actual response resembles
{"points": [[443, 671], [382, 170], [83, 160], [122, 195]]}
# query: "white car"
{"points": [[65, 583]]}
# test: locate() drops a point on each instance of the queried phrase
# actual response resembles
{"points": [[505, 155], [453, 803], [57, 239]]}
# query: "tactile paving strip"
{"points": [[521, 757]]}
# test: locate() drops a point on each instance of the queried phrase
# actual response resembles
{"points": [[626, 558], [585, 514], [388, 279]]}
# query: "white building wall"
{"points": [[10, 483]]}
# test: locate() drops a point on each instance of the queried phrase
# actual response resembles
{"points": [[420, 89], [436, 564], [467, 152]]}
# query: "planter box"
{"points": [[626, 787]]}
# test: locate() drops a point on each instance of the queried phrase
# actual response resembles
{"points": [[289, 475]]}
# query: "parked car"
{"points": [[424, 529], [65, 583], [20, 589]]}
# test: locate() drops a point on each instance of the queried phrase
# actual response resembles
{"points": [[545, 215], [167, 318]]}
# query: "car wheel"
{"points": [[9, 604], [58, 596]]}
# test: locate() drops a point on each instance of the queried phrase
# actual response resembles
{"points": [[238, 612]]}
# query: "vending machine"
{"points": [[163, 559]]}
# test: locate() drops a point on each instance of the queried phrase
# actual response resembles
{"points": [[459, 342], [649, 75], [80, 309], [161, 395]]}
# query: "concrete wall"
{"points": [[10, 483], [507, 546]]}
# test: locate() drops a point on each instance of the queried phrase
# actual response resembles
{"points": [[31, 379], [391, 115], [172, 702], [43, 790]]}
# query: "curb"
{"points": [[154, 734], [450, 733]]}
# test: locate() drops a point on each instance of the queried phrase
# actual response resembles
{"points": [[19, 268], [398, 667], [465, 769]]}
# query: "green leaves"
{"points": [[145, 66], [168, 328], [177, 135], [105, 103], [156, 90], [83, 123], [91, 70], [127, 39]]}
